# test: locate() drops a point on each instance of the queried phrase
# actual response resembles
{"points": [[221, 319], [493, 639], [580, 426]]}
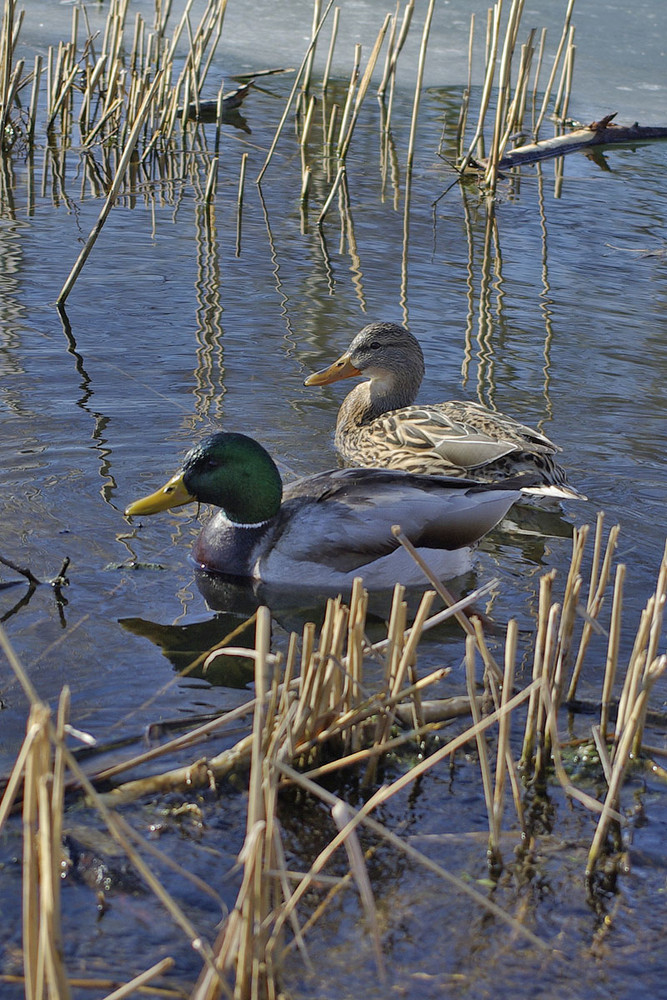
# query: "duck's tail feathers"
{"points": [[560, 491]]}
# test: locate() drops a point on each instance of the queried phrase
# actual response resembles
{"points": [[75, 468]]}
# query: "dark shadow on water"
{"points": [[187, 646]]}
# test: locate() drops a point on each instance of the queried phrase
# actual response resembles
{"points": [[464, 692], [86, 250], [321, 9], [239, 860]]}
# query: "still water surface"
{"points": [[172, 332]]}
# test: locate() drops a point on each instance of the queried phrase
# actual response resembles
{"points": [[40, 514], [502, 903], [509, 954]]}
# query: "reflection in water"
{"points": [[545, 300], [347, 230], [389, 165], [209, 372], [187, 646], [491, 264], [290, 606], [490, 273], [100, 420], [12, 312], [490, 270], [275, 265]]}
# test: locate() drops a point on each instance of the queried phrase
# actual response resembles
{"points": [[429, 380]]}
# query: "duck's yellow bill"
{"points": [[172, 494], [343, 368]]}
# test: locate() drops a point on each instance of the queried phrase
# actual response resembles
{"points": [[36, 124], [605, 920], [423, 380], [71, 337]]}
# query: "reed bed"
{"points": [[129, 101], [313, 713]]}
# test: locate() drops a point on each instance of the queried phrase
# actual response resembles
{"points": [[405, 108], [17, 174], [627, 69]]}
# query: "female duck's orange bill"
{"points": [[343, 368]]}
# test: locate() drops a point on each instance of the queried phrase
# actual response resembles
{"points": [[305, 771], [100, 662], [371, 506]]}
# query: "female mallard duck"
{"points": [[378, 427], [325, 529]]}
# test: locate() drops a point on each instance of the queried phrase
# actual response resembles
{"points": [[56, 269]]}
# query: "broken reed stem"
{"points": [[248, 949], [344, 144], [293, 91], [347, 820], [417, 96], [536, 78], [465, 101], [612, 650], [6, 61], [621, 760], [598, 586], [211, 184], [534, 731], [327, 66], [657, 620], [504, 761], [390, 48], [504, 80], [485, 767], [113, 192], [239, 203], [394, 50], [306, 171], [491, 55], [554, 69], [34, 99], [564, 107], [562, 98], [347, 107], [308, 69]]}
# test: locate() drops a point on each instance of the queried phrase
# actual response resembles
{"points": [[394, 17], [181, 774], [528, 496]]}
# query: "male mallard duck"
{"points": [[378, 427], [325, 529]]}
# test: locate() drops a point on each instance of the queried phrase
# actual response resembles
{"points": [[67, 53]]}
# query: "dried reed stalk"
{"points": [[327, 66], [417, 96], [113, 193], [612, 651], [239, 202], [395, 47], [482, 752], [554, 69], [351, 111], [597, 590], [628, 733], [6, 63], [295, 86], [504, 79], [308, 68], [490, 63], [465, 101]]}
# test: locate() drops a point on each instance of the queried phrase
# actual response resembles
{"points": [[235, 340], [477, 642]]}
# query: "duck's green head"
{"points": [[230, 471]]}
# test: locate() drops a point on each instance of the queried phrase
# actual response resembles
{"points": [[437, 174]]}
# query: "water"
{"points": [[171, 333]]}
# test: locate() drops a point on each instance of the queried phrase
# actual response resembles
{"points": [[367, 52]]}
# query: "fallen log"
{"points": [[602, 133]]}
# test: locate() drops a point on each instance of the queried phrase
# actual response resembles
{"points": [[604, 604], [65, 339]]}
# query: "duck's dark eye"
{"points": [[374, 346]]}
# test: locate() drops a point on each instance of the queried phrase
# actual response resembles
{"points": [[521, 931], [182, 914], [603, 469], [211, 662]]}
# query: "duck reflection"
{"points": [[234, 602], [187, 646]]}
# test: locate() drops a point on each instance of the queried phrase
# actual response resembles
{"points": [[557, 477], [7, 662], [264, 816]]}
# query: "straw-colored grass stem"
{"points": [[554, 69], [112, 196], [295, 87]]}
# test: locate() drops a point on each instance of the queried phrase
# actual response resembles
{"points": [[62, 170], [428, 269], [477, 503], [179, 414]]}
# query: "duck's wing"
{"points": [[498, 426], [343, 519], [464, 435]]}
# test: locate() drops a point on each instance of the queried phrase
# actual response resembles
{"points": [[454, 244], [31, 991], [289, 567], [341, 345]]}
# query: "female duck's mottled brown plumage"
{"points": [[378, 427]]}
